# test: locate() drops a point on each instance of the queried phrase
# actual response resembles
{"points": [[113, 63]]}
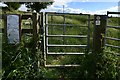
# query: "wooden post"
{"points": [[5, 27], [42, 32], [35, 31], [35, 41], [100, 22], [98, 41]]}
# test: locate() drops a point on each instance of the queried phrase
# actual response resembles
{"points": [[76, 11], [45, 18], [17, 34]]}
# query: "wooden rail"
{"points": [[23, 16], [22, 30], [112, 12]]}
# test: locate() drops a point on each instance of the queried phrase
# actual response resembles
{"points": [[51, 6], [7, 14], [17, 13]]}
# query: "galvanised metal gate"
{"points": [[64, 35], [112, 37]]}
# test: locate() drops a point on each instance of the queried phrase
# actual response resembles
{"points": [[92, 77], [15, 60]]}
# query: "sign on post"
{"points": [[13, 28], [98, 20]]}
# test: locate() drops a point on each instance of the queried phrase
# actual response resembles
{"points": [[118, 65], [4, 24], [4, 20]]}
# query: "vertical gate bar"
{"points": [[64, 28], [51, 26], [105, 31], [47, 32], [40, 41], [44, 36], [88, 37]]}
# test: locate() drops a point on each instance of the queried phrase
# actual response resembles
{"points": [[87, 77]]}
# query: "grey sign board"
{"points": [[13, 29]]}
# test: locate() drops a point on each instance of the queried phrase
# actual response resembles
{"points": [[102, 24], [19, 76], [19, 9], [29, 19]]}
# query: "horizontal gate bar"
{"points": [[112, 12], [66, 45], [54, 13], [22, 30], [113, 17], [62, 65], [117, 27], [112, 46], [66, 25], [65, 53], [76, 36], [117, 39]]}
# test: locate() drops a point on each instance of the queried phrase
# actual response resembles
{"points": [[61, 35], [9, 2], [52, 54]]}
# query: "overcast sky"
{"points": [[81, 6]]}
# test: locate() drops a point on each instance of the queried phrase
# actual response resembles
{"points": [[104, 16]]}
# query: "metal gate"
{"points": [[113, 32], [62, 35]]}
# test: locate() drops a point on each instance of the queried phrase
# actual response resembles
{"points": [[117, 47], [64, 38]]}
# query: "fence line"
{"points": [[40, 26], [112, 38]]}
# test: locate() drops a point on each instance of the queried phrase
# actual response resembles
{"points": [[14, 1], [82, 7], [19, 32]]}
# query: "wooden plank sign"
{"points": [[13, 28]]}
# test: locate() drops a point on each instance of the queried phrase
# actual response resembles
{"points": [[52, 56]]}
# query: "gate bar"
{"points": [[113, 38], [112, 12], [66, 25], [76, 36], [70, 53], [116, 27], [66, 45], [112, 46], [52, 66], [60, 14]]}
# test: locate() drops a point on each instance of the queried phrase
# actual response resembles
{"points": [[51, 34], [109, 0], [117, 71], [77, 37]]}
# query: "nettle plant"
{"points": [[107, 65]]}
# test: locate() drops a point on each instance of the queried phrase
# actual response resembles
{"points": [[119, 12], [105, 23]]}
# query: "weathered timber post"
{"points": [[98, 41], [35, 40], [35, 30], [42, 32], [5, 27], [100, 22]]}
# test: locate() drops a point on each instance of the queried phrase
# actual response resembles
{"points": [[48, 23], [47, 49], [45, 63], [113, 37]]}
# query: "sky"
{"points": [[81, 6]]}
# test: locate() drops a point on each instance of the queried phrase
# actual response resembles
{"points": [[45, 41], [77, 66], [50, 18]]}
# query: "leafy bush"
{"points": [[19, 61], [107, 66], [102, 66]]}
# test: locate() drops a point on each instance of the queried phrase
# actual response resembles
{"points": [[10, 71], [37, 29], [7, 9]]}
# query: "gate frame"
{"points": [[116, 27], [45, 38]]}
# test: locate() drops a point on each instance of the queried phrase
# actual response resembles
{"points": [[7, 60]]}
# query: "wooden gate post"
{"points": [[35, 30], [35, 39], [100, 23]]}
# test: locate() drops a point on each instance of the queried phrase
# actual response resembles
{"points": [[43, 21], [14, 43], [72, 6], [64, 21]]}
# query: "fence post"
{"points": [[35, 40], [100, 22], [5, 27], [42, 32], [35, 30]]}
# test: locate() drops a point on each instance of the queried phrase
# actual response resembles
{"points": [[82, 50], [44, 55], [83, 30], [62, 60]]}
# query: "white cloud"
{"points": [[61, 2], [3, 5], [103, 0], [23, 8], [64, 2], [111, 9], [72, 10]]}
